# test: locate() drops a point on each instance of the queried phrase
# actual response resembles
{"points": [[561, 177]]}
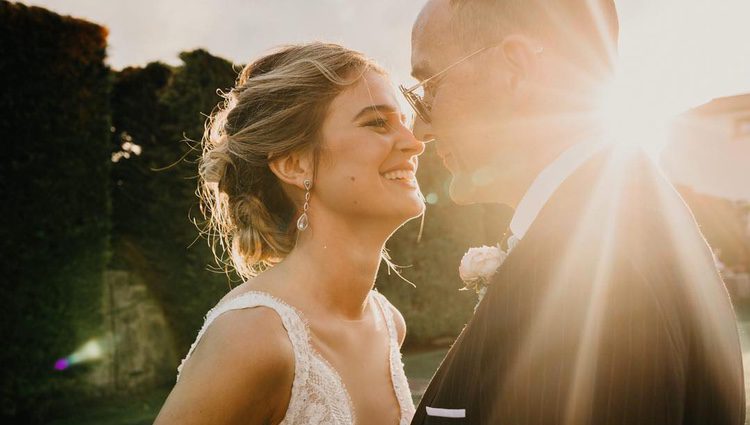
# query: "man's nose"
{"points": [[422, 130]]}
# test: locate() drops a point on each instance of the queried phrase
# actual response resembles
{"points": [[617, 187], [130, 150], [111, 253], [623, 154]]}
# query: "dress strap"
{"points": [[293, 322], [398, 379]]}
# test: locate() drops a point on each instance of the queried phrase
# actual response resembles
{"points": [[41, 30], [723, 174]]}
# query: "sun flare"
{"points": [[634, 113]]}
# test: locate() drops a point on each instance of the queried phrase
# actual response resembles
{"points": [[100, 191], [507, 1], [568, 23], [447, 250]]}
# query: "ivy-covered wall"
{"points": [[54, 181]]}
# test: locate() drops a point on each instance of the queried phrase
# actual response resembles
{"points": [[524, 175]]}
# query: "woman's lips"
{"points": [[411, 184], [406, 174], [402, 177]]}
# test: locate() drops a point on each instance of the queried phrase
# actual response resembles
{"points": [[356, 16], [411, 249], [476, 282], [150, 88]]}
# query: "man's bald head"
{"points": [[584, 30], [517, 81]]}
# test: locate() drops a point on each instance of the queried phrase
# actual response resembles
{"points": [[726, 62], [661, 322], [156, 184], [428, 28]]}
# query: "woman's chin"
{"points": [[412, 208], [397, 206]]}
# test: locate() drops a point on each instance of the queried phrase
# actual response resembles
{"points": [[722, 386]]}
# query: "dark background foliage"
{"points": [[163, 109], [54, 179]]}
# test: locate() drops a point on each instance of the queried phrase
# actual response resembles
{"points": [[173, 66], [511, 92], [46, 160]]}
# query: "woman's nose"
{"points": [[409, 143]]}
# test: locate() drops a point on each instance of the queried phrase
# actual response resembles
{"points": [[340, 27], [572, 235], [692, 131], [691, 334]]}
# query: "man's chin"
{"points": [[462, 191], [465, 191]]}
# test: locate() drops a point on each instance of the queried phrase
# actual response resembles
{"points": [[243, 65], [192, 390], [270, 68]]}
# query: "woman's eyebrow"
{"points": [[383, 109]]}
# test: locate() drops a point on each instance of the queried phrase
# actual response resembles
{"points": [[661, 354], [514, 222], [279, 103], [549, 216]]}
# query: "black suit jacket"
{"points": [[609, 311]]}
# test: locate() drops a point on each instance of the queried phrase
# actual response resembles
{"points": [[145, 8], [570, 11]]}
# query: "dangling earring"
{"points": [[303, 221]]}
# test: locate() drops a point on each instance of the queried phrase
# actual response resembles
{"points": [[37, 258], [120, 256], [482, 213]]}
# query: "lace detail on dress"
{"points": [[318, 393], [398, 377], [319, 396]]}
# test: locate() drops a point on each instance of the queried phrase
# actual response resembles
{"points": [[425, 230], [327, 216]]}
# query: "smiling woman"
{"points": [[269, 122], [308, 168]]}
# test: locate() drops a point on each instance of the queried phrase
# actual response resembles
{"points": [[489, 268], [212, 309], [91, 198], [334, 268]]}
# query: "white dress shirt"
{"points": [[547, 182]]}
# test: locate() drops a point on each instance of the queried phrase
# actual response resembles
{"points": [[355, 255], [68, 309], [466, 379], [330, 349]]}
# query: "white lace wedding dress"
{"points": [[318, 393]]}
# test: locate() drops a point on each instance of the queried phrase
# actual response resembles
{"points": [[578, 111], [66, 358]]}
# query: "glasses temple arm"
{"points": [[416, 86]]}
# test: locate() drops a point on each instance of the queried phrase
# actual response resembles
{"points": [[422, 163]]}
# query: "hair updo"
{"points": [[276, 107]]}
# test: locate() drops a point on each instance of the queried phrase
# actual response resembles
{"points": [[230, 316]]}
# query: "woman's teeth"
{"points": [[400, 175]]}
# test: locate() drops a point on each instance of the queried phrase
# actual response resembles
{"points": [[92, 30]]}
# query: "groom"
{"points": [[608, 309]]}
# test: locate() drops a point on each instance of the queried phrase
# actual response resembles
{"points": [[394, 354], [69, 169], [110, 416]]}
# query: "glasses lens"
{"points": [[414, 97], [418, 92], [423, 110]]}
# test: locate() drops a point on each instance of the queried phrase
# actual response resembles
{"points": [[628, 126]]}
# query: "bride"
{"points": [[307, 169]]}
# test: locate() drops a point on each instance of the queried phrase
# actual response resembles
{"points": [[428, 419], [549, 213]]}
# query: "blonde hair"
{"points": [[276, 107]]}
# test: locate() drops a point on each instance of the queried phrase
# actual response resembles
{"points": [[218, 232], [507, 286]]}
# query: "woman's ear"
{"points": [[294, 168]]}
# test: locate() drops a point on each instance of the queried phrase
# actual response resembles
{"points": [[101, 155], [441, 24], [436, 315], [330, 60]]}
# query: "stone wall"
{"points": [[137, 349]]}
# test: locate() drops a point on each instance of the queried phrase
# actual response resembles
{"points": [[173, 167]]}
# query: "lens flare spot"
{"points": [[90, 351], [62, 364]]}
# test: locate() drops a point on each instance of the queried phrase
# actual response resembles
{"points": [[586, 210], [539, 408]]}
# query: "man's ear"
{"points": [[294, 168], [521, 55]]}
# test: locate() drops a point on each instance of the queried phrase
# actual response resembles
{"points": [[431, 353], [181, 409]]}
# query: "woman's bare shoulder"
{"points": [[242, 367], [241, 331]]}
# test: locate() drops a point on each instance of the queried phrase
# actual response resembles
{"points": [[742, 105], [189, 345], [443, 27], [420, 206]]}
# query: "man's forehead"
{"points": [[431, 36]]}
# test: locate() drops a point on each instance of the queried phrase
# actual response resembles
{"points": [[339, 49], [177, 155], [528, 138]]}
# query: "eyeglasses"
{"points": [[417, 100]]}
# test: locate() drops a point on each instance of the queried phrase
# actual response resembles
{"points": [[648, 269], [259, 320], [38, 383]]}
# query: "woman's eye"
{"points": [[380, 123]]}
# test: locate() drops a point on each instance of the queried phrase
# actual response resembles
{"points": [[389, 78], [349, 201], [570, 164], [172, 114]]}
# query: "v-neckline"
{"points": [[334, 372]]}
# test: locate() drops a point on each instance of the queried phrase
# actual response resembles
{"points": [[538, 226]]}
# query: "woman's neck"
{"points": [[335, 269]]}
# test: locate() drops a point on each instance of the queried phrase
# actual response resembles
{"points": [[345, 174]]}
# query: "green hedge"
{"points": [[162, 109], [190, 96], [55, 125]]}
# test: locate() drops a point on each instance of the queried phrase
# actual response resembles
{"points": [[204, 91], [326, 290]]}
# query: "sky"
{"points": [[675, 53]]}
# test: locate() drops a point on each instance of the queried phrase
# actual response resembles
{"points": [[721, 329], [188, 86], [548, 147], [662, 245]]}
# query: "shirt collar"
{"points": [[547, 182]]}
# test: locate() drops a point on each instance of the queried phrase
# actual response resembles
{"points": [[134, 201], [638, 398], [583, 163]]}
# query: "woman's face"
{"points": [[369, 157]]}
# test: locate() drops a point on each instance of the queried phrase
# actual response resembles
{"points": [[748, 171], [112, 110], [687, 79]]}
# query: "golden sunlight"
{"points": [[661, 73], [632, 112]]}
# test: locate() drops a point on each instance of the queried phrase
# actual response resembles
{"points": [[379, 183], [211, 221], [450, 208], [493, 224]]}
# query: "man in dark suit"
{"points": [[608, 309]]}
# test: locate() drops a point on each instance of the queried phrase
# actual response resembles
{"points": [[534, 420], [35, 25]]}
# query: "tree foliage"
{"points": [[163, 110], [54, 179]]}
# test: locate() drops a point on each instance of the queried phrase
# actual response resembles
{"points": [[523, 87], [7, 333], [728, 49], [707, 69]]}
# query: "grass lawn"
{"points": [[419, 368], [142, 409], [133, 410]]}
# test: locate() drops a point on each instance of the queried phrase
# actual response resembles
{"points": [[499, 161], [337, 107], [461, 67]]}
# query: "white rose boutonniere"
{"points": [[478, 266]]}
